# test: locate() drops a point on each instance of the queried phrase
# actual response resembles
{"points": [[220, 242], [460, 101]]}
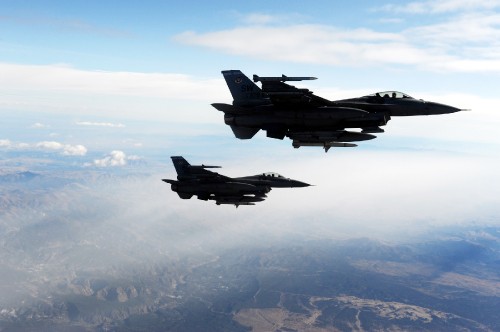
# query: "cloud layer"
{"points": [[47, 146], [442, 6], [464, 42], [124, 95], [64, 79], [100, 124]]}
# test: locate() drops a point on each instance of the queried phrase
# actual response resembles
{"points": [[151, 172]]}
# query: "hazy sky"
{"points": [[105, 84]]}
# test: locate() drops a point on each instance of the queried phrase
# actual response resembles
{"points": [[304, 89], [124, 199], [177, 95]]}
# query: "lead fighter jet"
{"points": [[283, 110], [207, 185]]}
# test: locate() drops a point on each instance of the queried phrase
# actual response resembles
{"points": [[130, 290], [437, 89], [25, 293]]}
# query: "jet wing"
{"points": [[238, 193], [282, 94], [211, 177], [199, 174], [238, 200]]}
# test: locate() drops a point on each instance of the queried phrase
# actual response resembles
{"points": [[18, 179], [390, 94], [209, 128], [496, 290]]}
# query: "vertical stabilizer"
{"points": [[244, 91], [181, 165]]}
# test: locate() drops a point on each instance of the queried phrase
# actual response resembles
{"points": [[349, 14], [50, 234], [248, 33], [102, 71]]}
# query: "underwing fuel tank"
{"points": [[234, 203], [342, 136], [328, 139], [245, 200]]}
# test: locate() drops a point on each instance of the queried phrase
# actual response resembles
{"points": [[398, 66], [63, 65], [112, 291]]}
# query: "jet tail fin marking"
{"points": [[244, 91]]}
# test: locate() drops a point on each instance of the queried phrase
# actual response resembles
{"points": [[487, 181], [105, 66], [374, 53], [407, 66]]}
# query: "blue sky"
{"points": [[80, 79]]}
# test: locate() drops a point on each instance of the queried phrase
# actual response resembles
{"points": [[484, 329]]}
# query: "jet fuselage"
{"points": [[326, 118], [396, 104]]}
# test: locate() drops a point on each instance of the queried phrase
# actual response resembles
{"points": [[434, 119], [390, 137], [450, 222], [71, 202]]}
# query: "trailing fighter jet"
{"points": [[207, 185], [283, 110]]}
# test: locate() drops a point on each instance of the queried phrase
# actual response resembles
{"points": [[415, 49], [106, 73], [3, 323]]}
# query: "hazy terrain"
{"points": [[92, 250], [399, 233]]}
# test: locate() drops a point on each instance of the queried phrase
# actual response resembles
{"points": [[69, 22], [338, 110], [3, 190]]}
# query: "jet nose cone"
{"points": [[437, 108], [295, 183]]}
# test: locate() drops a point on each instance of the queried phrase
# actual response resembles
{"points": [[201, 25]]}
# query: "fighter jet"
{"points": [[283, 110], [208, 185]]}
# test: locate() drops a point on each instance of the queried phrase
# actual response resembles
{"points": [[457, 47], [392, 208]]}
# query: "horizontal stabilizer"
{"points": [[230, 109]]}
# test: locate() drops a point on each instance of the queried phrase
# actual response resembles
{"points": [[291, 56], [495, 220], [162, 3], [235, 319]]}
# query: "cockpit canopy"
{"points": [[390, 94], [273, 175]]}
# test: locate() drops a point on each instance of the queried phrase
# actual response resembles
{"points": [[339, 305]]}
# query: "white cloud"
{"points": [[63, 78], [391, 20], [100, 124], [74, 150], [38, 125], [385, 190], [66, 149], [8, 144], [133, 157], [463, 43], [119, 95], [5, 143], [114, 158], [263, 18], [310, 44], [468, 28], [441, 6], [257, 18], [51, 146], [133, 142]]}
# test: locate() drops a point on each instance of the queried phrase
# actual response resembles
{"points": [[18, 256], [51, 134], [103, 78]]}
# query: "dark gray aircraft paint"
{"points": [[206, 185], [283, 110]]}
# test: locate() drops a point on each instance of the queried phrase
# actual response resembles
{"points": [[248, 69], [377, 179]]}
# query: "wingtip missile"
{"points": [[202, 166], [282, 78], [208, 166]]}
